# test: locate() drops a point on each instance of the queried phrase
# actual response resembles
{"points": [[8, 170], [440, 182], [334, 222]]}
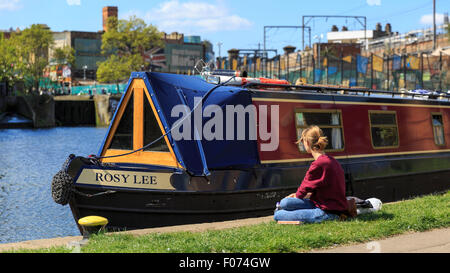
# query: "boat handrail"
{"points": [[347, 90]]}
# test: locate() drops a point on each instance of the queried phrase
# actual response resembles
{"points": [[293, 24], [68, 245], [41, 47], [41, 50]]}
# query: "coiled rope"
{"points": [[62, 184]]}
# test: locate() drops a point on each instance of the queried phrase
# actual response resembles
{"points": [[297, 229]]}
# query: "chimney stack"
{"points": [[289, 49], [388, 28], [109, 12]]}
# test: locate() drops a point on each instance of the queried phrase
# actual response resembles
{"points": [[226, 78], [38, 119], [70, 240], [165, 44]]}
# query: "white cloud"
{"points": [[373, 2], [427, 19], [192, 16], [10, 5], [73, 2]]}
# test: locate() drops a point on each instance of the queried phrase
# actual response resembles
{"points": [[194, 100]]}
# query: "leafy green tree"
{"points": [[124, 43], [64, 55], [114, 69], [32, 46], [8, 60]]}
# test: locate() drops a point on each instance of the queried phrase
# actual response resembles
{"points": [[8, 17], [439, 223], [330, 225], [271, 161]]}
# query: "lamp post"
{"points": [[192, 58], [219, 44], [84, 71], [434, 24]]}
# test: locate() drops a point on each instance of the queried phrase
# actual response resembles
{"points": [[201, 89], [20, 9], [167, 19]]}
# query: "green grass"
{"points": [[420, 214]]}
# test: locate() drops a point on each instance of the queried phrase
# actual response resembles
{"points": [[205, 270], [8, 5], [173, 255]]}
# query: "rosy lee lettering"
{"points": [[121, 178]]}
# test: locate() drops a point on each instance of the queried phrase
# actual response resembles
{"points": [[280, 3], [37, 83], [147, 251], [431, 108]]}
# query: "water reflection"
{"points": [[28, 160]]}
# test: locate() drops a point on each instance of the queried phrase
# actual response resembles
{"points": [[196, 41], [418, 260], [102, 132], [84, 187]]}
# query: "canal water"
{"points": [[29, 158]]}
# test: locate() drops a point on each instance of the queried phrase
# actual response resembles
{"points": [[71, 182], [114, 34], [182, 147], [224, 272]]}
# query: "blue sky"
{"points": [[235, 23]]}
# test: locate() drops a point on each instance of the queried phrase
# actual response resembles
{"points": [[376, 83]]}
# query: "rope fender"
{"points": [[62, 186]]}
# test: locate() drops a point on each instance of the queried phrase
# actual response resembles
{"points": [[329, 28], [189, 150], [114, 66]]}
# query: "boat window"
{"points": [[438, 128], [152, 130], [123, 137], [329, 121], [383, 129]]}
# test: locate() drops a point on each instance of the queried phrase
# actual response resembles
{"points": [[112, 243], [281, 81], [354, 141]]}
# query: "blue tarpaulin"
{"points": [[198, 156]]}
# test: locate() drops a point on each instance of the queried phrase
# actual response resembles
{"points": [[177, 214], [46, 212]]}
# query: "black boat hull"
{"points": [[234, 194]]}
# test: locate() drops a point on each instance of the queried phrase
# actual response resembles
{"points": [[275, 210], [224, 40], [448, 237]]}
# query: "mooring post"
{"points": [[92, 225]]}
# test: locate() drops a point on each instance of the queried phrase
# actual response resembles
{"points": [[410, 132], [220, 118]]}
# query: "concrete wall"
{"points": [[74, 111], [105, 107], [49, 111], [39, 108], [43, 108], [102, 114], [86, 110]]}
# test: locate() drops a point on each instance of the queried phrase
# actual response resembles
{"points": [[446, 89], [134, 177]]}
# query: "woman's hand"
{"points": [[292, 195]]}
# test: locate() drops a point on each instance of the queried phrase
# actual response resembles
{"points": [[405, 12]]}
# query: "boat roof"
{"points": [[195, 156]]}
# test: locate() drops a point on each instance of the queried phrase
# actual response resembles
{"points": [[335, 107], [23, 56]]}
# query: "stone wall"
{"points": [[39, 108]]}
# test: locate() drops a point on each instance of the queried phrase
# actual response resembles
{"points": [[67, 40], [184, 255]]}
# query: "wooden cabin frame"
{"points": [[140, 92]]}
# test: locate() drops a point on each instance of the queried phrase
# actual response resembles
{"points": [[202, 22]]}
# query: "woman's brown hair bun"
{"points": [[322, 142], [314, 135]]}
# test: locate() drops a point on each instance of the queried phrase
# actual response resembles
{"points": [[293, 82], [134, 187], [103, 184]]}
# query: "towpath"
{"points": [[433, 241]]}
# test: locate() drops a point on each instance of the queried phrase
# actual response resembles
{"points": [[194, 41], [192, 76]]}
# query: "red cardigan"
{"points": [[326, 181]]}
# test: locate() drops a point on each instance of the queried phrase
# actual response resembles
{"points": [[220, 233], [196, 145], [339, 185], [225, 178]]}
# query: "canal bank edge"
{"points": [[65, 241]]}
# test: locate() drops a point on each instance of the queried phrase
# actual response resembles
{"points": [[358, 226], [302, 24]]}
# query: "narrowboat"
{"points": [[182, 150]]}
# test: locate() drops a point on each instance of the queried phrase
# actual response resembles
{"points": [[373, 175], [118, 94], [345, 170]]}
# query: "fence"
{"points": [[58, 89], [407, 71], [99, 89]]}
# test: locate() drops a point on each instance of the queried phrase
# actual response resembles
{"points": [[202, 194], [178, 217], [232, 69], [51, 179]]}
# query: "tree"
{"points": [[125, 43], [64, 55], [8, 60], [32, 46], [114, 69]]}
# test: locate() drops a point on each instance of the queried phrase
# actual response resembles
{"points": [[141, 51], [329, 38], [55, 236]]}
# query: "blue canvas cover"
{"points": [[200, 156]]}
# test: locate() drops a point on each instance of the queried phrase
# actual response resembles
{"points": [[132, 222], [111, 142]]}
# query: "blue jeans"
{"points": [[294, 209]]}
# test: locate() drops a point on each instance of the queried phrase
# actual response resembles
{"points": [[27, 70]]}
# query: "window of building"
{"points": [[329, 121], [384, 129], [438, 128]]}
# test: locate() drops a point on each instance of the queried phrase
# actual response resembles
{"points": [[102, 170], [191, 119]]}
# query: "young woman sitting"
{"points": [[321, 195]]}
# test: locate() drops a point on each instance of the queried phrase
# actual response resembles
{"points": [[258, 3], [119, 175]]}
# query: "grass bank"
{"points": [[419, 214]]}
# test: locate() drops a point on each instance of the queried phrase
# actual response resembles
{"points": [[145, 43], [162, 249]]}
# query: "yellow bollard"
{"points": [[92, 224]]}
